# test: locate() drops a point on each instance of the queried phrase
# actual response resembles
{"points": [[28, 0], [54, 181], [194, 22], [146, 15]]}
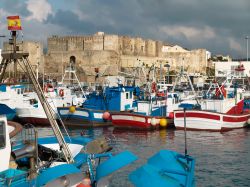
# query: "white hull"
{"points": [[205, 120]]}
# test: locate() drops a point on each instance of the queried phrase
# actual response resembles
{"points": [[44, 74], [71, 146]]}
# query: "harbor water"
{"points": [[222, 158]]}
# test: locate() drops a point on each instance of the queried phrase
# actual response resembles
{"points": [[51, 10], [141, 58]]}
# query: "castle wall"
{"points": [[111, 42], [103, 50], [86, 62]]}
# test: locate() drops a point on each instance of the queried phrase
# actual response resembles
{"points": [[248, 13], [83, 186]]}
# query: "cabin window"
{"points": [[131, 95], [127, 95], [2, 135], [18, 91]]}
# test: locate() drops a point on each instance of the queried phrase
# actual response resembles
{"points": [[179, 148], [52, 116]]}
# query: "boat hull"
{"points": [[134, 121], [35, 116], [83, 117], [206, 120]]}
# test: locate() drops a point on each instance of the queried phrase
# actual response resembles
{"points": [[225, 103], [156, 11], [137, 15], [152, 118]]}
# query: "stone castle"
{"points": [[113, 53], [109, 55]]}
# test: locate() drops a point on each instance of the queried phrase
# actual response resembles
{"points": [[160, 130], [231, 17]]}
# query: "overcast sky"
{"points": [[220, 26]]}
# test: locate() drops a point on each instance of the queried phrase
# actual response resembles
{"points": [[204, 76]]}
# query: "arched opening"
{"points": [[72, 62], [72, 65]]}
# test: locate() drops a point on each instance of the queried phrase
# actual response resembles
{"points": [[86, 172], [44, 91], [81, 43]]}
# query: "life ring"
{"points": [[48, 88], [61, 92]]}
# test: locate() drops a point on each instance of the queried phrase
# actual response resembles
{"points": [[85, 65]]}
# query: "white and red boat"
{"points": [[144, 114], [135, 121], [222, 110]]}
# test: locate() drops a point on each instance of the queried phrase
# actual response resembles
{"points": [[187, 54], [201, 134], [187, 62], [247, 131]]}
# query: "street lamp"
{"points": [[167, 66], [247, 37]]}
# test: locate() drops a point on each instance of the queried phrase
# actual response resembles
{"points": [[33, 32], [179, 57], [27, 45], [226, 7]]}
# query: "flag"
{"points": [[14, 23]]}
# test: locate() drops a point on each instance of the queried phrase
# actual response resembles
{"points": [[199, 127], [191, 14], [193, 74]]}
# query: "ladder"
{"points": [[71, 71], [22, 58]]}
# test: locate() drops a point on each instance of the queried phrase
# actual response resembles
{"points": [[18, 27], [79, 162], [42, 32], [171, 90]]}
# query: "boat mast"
{"points": [[22, 58]]}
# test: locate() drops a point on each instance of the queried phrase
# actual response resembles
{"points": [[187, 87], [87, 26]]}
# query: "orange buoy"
{"points": [[106, 115]]}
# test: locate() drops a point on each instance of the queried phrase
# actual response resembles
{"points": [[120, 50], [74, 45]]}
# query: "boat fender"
{"points": [[72, 109], [106, 115], [163, 122], [61, 92], [153, 121], [171, 115], [248, 121]]}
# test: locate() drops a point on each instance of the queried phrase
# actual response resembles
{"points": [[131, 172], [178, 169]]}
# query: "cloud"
{"points": [[234, 45], [190, 33], [218, 26], [39, 10]]}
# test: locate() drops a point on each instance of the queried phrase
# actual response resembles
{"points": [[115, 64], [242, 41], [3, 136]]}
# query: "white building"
{"points": [[239, 69]]}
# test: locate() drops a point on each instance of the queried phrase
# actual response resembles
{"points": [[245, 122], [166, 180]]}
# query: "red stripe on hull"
{"points": [[198, 115], [235, 119], [129, 123]]}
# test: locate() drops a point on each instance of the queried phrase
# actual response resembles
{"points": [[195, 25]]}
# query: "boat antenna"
{"points": [[185, 132]]}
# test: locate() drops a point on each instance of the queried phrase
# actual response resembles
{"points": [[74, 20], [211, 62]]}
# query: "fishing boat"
{"points": [[221, 109], [166, 168], [58, 94], [95, 111], [11, 96], [146, 113]]}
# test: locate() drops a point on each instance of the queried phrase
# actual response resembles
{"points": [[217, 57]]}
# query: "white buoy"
{"points": [[248, 121], [153, 121]]}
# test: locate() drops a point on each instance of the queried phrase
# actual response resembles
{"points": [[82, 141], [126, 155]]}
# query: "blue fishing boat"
{"points": [[39, 161], [166, 168], [95, 111]]}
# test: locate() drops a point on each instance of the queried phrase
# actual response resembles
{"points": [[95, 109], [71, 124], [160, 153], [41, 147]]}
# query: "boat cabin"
{"points": [[111, 98]]}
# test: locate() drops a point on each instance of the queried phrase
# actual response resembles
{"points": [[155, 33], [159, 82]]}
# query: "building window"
{"points": [[142, 48], [131, 48]]}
